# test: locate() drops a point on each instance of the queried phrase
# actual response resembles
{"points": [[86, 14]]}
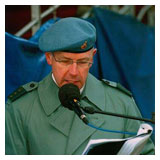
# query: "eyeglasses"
{"points": [[68, 62]]}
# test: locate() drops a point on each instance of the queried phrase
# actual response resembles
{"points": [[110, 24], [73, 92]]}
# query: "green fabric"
{"points": [[36, 123]]}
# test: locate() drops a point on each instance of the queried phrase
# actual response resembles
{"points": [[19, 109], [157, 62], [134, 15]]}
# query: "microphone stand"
{"points": [[91, 110]]}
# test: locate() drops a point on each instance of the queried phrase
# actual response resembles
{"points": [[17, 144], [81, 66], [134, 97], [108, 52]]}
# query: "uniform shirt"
{"points": [[36, 122]]}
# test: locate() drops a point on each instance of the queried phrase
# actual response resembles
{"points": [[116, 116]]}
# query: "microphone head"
{"points": [[68, 93]]}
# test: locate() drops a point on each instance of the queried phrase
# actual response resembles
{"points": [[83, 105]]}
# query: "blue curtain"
{"points": [[24, 62], [126, 54]]}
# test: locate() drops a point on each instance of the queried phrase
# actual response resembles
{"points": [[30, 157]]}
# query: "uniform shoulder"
{"points": [[22, 90], [117, 86]]}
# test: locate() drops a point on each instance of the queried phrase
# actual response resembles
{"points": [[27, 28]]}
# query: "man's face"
{"points": [[75, 73]]}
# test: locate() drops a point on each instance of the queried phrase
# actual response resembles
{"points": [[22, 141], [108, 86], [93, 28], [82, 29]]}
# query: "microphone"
{"points": [[69, 96]]}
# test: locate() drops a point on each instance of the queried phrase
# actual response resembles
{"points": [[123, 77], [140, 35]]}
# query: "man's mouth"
{"points": [[72, 81], [75, 82]]}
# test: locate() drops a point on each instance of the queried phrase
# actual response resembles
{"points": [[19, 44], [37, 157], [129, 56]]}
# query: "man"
{"points": [[37, 123]]}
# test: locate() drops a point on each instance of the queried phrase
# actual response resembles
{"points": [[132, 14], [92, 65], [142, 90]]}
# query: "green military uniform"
{"points": [[36, 123]]}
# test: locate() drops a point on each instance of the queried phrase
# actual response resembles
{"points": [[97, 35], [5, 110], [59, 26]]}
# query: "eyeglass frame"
{"points": [[71, 61]]}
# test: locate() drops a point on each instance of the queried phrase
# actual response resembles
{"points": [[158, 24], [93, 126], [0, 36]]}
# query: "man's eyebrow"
{"points": [[63, 57], [81, 59], [85, 58]]}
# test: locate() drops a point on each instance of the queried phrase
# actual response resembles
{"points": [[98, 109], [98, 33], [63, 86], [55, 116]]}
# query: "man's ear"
{"points": [[49, 58], [94, 51]]}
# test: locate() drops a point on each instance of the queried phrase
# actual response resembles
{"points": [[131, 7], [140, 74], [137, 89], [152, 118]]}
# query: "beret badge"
{"points": [[84, 45]]}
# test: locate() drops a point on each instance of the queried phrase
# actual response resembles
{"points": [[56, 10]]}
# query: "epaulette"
{"points": [[22, 90], [118, 86]]}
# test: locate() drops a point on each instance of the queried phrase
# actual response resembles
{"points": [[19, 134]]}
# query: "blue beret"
{"points": [[69, 35]]}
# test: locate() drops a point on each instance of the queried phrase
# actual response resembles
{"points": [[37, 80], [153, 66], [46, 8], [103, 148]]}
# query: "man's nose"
{"points": [[73, 69]]}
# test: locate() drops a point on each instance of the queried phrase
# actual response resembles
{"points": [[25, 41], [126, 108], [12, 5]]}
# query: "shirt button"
{"points": [[32, 85]]}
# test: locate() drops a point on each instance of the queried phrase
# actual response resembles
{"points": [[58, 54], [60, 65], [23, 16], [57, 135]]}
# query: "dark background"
{"points": [[17, 16]]}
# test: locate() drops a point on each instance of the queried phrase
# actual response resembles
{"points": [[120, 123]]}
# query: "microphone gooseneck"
{"points": [[69, 96]]}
